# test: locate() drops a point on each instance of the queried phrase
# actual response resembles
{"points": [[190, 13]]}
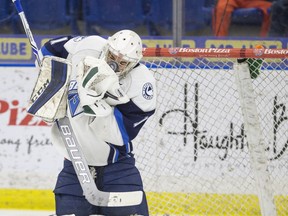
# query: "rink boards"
{"points": [[25, 199], [29, 163]]}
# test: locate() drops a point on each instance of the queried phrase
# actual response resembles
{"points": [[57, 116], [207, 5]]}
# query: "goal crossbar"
{"points": [[216, 52]]}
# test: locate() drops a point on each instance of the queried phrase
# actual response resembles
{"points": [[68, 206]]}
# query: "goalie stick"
{"points": [[28, 32], [90, 190]]}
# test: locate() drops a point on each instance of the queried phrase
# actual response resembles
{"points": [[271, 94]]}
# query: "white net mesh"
{"points": [[193, 153]]}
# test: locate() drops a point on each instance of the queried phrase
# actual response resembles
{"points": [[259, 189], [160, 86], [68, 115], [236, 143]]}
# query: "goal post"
{"points": [[217, 144]]}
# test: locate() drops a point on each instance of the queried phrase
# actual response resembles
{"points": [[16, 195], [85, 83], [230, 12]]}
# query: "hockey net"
{"points": [[217, 144]]}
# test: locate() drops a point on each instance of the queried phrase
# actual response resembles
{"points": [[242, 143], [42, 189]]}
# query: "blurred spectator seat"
{"points": [[5, 12], [250, 16], [74, 13], [47, 15], [112, 15], [240, 16], [208, 10], [279, 17], [4, 9], [162, 14]]}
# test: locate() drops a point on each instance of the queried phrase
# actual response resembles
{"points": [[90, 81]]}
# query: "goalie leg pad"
{"points": [[49, 97]]}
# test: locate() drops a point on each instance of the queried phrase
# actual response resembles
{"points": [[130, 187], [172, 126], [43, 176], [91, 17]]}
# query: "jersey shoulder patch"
{"points": [[142, 88], [148, 91]]}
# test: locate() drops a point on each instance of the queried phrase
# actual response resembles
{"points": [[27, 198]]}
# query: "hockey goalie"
{"points": [[107, 94]]}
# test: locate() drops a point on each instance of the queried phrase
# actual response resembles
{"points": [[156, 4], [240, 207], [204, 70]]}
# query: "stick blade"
{"points": [[115, 199]]}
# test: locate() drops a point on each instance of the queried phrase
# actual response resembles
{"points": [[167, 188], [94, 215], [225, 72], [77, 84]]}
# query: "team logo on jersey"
{"points": [[147, 91], [73, 99]]}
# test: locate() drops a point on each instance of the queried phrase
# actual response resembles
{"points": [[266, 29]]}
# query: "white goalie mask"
{"points": [[123, 51]]}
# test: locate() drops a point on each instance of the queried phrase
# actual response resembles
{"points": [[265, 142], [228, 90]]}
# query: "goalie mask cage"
{"points": [[217, 144]]}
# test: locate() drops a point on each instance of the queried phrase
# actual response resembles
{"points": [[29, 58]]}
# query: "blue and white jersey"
{"points": [[103, 140]]}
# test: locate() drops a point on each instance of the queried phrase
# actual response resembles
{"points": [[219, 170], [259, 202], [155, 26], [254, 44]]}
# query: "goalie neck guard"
{"points": [[124, 48]]}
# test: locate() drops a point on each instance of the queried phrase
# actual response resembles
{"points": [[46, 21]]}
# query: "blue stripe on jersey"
{"points": [[118, 152], [46, 52], [133, 119], [119, 119], [128, 148], [115, 154], [55, 47]]}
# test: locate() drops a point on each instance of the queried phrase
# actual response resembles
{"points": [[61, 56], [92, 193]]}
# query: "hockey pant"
{"points": [[118, 177]]}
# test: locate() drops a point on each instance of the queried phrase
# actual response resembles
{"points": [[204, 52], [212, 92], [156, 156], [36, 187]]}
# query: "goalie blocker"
{"points": [[49, 96]]}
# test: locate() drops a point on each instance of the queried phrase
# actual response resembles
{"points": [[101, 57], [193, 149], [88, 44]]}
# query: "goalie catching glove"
{"points": [[96, 80]]}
